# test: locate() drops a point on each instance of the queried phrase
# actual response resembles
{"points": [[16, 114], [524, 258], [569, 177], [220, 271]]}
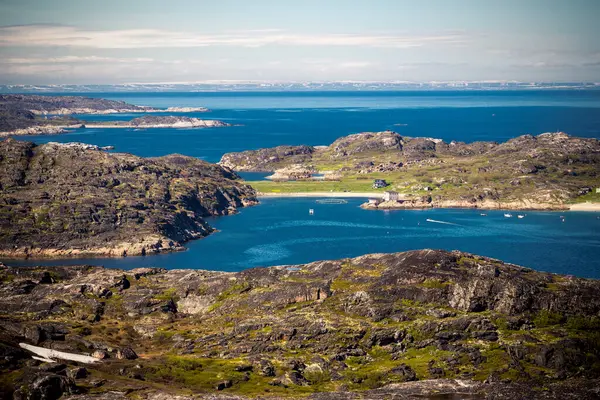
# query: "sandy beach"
{"points": [[323, 194], [585, 207]]}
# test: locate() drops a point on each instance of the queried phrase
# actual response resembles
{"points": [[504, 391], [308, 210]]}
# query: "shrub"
{"points": [[547, 318]]}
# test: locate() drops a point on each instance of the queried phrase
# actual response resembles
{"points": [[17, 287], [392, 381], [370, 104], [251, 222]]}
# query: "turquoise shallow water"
{"points": [[280, 231]]}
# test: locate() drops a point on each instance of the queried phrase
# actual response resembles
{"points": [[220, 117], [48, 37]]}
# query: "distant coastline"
{"points": [[315, 86]]}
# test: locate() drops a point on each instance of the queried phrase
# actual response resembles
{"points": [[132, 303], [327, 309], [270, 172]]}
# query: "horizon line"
{"points": [[307, 82]]}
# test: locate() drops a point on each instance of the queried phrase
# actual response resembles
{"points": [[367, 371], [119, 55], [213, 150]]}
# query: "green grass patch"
{"points": [[434, 284], [547, 318]]}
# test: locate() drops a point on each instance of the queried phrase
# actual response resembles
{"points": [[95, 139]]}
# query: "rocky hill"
{"points": [[267, 160], [72, 200], [420, 324], [543, 171]]}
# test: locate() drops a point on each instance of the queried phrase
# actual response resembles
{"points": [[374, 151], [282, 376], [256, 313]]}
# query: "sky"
{"points": [[135, 41]]}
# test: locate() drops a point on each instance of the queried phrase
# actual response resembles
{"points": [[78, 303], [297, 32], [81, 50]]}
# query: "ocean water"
{"points": [[271, 119], [280, 231]]}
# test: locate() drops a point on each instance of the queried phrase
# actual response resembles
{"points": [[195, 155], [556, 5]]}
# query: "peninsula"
{"points": [[50, 115], [420, 324], [61, 200], [550, 171], [153, 121], [67, 105]]}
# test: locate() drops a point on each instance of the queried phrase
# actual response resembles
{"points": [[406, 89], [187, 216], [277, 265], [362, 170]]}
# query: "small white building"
{"points": [[389, 195]]}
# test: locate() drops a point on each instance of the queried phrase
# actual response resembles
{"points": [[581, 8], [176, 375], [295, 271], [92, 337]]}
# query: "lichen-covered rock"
{"points": [[366, 142], [266, 159], [126, 353], [59, 200], [378, 326]]}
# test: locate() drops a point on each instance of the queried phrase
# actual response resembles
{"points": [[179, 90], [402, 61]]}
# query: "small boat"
{"points": [[483, 214], [520, 216], [311, 212], [507, 215]]}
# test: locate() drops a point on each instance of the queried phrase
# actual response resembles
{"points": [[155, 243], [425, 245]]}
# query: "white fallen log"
{"points": [[47, 355]]}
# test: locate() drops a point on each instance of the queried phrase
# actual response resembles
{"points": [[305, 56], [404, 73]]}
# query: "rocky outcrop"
{"points": [[293, 173], [38, 130], [365, 142], [72, 200], [186, 109], [151, 121], [378, 326], [267, 160], [419, 202], [403, 204]]}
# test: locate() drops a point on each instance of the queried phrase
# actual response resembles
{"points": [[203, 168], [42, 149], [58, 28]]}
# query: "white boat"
{"points": [[483, 214], [507, 215], [311, 211], [520, 216]]}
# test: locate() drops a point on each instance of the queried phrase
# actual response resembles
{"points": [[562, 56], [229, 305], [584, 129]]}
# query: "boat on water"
{"points": [[311, 211], [520, 216], [483, 214], [507, 215]]}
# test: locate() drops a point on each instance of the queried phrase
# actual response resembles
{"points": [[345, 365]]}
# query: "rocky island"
{"points": [[49, 115], [60, 200], [420, 324], [547, 171], [153, 121]]}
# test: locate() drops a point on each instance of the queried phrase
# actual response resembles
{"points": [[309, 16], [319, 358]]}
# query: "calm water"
{"points": [[271, 119], [280, 231]]}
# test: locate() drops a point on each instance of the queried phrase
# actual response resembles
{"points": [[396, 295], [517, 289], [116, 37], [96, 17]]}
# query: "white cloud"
{"points": [[72, 59], [355, 64], [71, 36]]}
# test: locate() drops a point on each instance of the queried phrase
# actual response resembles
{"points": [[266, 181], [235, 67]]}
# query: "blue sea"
{"points": [[318, 118], [280, 231]]}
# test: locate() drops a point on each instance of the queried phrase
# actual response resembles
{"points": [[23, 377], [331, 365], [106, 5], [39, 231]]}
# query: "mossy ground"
{"points": [[369, 321]]}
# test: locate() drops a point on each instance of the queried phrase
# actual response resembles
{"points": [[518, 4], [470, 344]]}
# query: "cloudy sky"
{"points": [[103, 42]]}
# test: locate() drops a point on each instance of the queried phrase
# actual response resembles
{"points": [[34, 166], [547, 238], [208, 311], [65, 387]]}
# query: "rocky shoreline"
{"points": [[126, 110], [483, 205], [146, 245], [40, 130], [423, 323], [159, 122]]}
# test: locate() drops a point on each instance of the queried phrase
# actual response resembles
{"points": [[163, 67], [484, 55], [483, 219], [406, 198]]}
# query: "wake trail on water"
{"points": [[441, 222]]}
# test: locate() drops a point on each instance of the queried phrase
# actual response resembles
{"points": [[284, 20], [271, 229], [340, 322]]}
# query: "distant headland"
{"points": [[49, 115]]}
